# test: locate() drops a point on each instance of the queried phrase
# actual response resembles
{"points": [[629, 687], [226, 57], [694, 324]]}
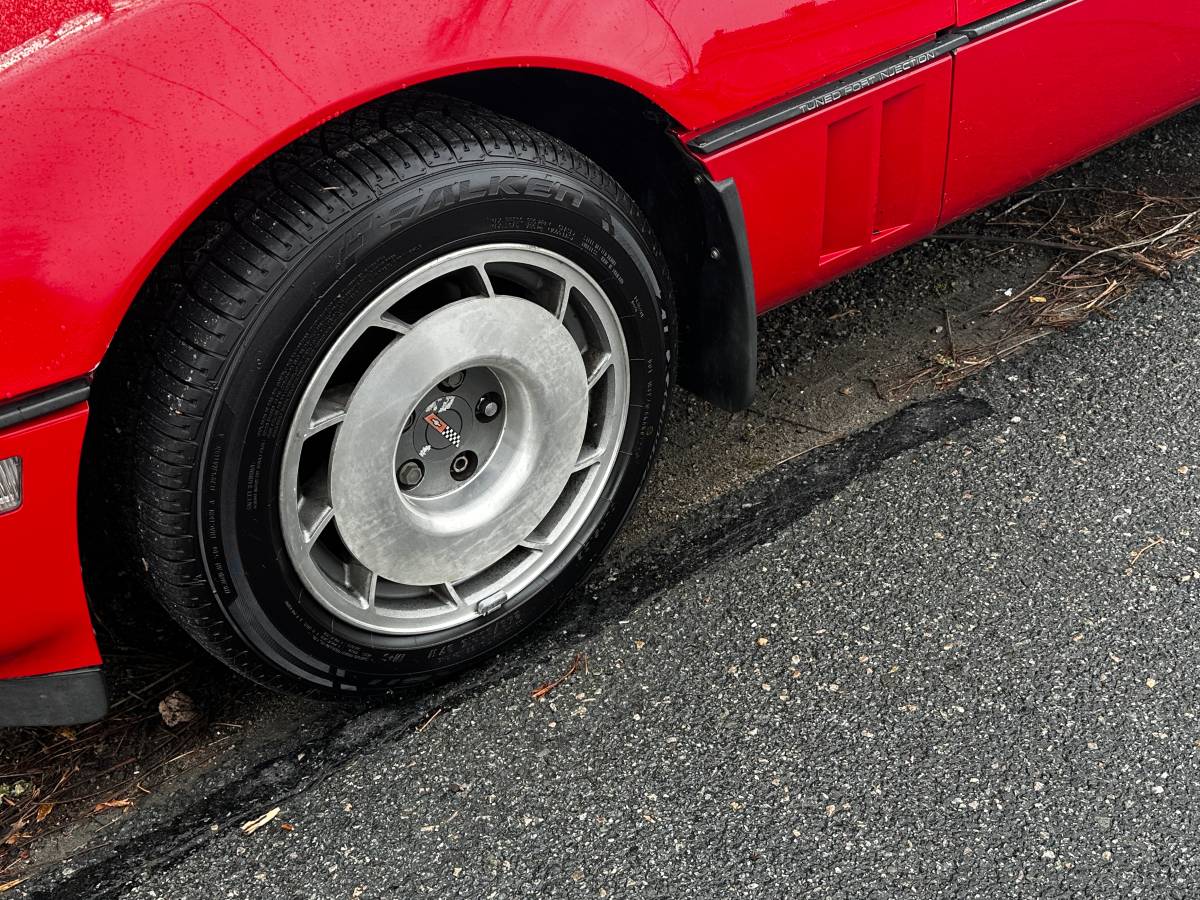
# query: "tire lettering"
{"points": [[564, 192], [466, 192], [506, 186], [440, 198], [539, 187]]}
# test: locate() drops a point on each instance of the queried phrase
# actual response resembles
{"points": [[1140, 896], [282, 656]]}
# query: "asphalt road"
{"points": [[952, 655], [919, 663]]}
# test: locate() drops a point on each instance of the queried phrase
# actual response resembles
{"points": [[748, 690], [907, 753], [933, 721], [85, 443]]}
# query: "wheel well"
{"points": [[631, 139], [622, 131], [697, 222]]}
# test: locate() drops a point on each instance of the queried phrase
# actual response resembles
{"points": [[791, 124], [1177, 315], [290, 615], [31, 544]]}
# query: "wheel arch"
{"points": [[698, 222], [214, 89]]}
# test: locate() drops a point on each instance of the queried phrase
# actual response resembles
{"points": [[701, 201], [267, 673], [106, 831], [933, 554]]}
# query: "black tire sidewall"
{"points": [[297, 321]]}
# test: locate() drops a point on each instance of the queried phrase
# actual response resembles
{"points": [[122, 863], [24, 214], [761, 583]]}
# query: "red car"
{"points": [[350, 327]]}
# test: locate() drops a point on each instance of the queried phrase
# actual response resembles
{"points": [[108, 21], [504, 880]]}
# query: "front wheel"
{"points": [[396, 397]]}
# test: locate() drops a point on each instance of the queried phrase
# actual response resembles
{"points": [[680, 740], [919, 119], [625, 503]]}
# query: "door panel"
{"points": [[973, 10], [750, 52], [1041, 94], [831, 191]]}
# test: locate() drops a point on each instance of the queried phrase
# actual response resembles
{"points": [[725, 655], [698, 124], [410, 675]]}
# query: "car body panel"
{"points": [[109, 85], [831, 191], [1100, 70], [969, 11], [251, 77], [750, 53], [46, 625]]}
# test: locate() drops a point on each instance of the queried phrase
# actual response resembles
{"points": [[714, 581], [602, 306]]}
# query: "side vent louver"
{"points": [[870, 189]]}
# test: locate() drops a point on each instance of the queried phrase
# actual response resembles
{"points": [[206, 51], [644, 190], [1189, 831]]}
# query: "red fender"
{"points": [[141, 113]]}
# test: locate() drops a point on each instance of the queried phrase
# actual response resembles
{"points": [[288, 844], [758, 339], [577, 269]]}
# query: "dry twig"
{"points": [[1120, 237], [540, 692]]}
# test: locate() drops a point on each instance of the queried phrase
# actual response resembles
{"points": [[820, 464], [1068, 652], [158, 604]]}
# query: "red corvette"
{"points": [[349, 327]]}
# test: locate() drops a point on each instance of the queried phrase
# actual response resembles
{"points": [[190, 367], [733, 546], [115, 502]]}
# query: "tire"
{"points": [[198, 409]]}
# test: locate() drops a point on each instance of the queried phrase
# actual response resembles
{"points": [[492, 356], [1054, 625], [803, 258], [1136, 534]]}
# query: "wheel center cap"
{"points": [[443, 430], [426, 540]]}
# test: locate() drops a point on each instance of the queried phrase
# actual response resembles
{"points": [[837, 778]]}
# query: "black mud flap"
{"points": [[720, 336], [60, 698]]}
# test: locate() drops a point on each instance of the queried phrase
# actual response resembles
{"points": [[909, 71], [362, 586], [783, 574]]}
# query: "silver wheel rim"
{"points": [[500, 374]]}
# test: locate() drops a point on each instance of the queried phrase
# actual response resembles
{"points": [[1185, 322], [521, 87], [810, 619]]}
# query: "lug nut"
{"points": [[410, 474], [488, 407], [463, 466], [452, 382]]}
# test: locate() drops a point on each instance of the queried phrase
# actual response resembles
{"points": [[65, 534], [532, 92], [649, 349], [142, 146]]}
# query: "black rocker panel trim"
{"points": [[796, 107], [42, 403], [60, 698], [809, 102], [1007, 17]]}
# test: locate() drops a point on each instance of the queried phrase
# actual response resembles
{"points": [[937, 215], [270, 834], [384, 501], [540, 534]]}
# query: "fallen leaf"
{"points": [[287, 826], [66, 732], [762, 641], [14, 833], [177, 708], [1038, 300], [254, 824], [43, 810], [112, 804]]}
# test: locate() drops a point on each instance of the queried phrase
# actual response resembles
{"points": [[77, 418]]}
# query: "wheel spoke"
{"points": [[362, 583], [329, 411], [564, 298], [588, 457], [598, 368], [394, 323], [315, 508], [315, 516], [448, 594], [488, 289]]}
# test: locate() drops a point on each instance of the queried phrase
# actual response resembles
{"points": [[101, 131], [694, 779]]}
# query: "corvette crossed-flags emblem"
{"points": [[438, 424]]}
